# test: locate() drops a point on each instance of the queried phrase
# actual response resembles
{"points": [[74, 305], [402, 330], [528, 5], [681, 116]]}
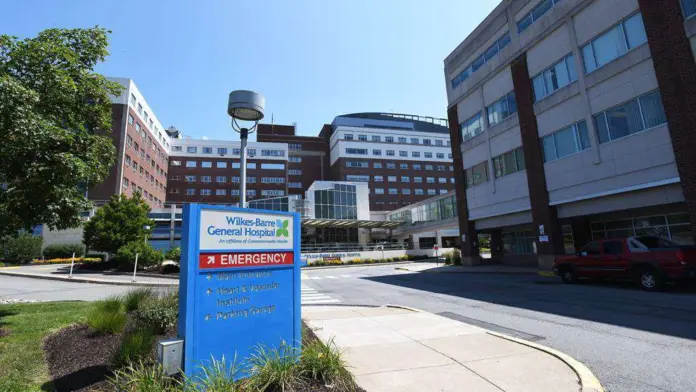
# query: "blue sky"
{"points": [[312, 59]]}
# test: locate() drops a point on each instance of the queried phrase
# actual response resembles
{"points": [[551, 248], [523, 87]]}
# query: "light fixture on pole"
{"points": [[244, 105]]}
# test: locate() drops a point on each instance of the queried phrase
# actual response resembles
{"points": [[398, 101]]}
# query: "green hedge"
{"points": [[147, 255], [61, 251], [22, 248]]}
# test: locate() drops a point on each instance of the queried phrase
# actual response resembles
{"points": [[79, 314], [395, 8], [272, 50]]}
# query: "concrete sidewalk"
{"points": [[397, 349], [62, 272]]}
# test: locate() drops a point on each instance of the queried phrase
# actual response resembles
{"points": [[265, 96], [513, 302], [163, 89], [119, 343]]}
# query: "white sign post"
{"points": [[437, 258], [136, 266], [72, 264]]}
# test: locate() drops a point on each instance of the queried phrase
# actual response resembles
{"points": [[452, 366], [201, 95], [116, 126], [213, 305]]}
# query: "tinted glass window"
{"points": [[655, 242], [592, 249], [612, 248]]}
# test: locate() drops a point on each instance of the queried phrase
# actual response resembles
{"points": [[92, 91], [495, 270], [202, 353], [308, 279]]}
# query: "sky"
{"points": [[311, 59]]}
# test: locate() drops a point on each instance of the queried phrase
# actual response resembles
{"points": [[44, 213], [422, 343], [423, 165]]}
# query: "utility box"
{"points": [[170, 354]]}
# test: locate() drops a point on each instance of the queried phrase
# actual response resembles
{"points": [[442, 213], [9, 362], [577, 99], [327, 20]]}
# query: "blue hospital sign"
{"points": [[239, 283]]}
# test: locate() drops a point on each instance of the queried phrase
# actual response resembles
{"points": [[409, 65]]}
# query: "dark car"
{"points": [[649, 260]]}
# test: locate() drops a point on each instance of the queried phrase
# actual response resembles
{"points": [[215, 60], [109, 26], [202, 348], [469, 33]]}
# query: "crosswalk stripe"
{"points": [[331, 277], [323, 301], [345, 276]]}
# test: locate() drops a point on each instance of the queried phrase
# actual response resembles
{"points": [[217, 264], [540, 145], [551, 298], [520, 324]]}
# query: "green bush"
{"points": [[135, 297], [100, 256], [324, 363], [143, 377], [22, 248], [62, 251], [173, 254], [216, 376], [107, 316], [136, 345], [147, 255], [274, 369], [158, 313]]}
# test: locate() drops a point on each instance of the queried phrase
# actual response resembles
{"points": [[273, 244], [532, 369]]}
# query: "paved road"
{"points": [[52, 290], [632, 340]]}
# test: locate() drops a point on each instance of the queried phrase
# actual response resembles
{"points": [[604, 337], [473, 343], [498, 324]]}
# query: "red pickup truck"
{"points": [[649, 260]]}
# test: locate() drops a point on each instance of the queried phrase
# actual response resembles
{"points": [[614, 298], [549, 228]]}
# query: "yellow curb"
{"points": [[588, 381], [549, 274]]}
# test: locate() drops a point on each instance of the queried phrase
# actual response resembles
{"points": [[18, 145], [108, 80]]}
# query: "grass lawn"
{"points": [[22, 365]]}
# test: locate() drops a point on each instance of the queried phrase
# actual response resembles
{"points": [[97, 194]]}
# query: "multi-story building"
{"points": [[142, 147], [403, 158], [208, 171], [571, 121]]}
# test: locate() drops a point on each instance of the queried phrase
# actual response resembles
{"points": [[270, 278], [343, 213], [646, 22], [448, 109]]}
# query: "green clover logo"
{"points": [[282, 228]]}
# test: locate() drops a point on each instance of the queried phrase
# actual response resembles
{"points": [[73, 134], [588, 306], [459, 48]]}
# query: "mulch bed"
{"points": [[4, 332], [78, 360]]}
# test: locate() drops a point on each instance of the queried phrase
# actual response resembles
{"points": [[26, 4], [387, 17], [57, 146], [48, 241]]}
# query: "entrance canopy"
{"points": [[346, 223]]}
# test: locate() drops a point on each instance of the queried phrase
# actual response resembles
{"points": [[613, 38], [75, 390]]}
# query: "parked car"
{"points": [[649, 260]]}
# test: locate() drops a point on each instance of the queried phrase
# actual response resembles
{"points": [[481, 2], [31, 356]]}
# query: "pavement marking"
{"points": [[327, 277], [311, 296], [331, 277], [345, 276]]}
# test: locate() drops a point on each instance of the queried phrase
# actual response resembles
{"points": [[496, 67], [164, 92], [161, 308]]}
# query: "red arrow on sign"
{"points": [[233, 260]]}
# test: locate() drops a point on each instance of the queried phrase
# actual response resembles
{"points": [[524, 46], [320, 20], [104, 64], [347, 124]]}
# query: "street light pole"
{"points": [[244, 135], [246, 106]]}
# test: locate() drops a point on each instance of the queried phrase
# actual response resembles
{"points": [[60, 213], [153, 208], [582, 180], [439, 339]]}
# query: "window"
{"points": [[427, 142], [536, 13], [376, 165], [501, 109], [390, 153], [295, 185], [132, 99], [362, 138], [389, 139], [403, 153], [438, 142], [273, 180], [295, 172], [207, 164], [206, 179], [376, 138], [428, 167], [190, 178], [267, 166], [391, 178], [220, 192], [449, 156], [633, 116], [221, 165], [190, 163], [418, 179], [391, 165], [191, 149], [689, 7], [440, 167], [471, 127], [493, 50], [442, 180], [555, 77], [131, 120], [415, 154], [405, 179], [403, 166], [137, 127], [443, 191], [591, 249], [431, 192], [477, 175], [440, 155], [356, 151], [222, 151], [614, 43], [357, 178], [612, 248], [414, 140], [565, 142], [220, 179], [406, 191], [362, 164], [272, 153], [509, 163], [294, 146], [430, 180], [451, 180], [417, 166], [207, 150], [205, 192], [402, 140], [176, 148], [272, 192], [379, 191], [393, 191], [379, 178], [428, 154], [348, 136], [376, 152], [140, 109], [295, 159], [418, 191]]}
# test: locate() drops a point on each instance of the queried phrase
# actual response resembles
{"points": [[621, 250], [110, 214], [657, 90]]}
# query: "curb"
{"points": [[588, 381], [305, 268], [87, 280]]}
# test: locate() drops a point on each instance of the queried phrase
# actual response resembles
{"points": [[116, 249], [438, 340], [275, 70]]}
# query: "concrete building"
{"points": [[574, 120]]}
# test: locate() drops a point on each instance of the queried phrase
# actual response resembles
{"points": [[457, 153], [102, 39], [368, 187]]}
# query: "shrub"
{"points": [[100, 256], [147, 255], [135, 346], [135, 297], [143, 377], [63, 251], [107, 316], [22, 248], [274, 369], [173, 254], [158, 313], [324, 363], [215, 377]]}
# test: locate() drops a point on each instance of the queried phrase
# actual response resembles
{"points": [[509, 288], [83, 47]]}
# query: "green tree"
{"points": [[53, 112], [117, 223]]}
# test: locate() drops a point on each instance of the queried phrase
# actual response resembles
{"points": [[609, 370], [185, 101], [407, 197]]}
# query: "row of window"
{"points": [[407, 191], [486, 56], [400, 139], [496, 113], [505, 164], [208, 179], [404, 179], [131, 162], [235, 151], [537, 12], [146, 118], [233, 165], [391, 153], [144, 173], [146, 139], [141, 151], [232, 192], [402, 166], [146, 195]]}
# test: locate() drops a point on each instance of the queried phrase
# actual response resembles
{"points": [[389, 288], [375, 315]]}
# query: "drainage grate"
{"points": [[492, 327]]}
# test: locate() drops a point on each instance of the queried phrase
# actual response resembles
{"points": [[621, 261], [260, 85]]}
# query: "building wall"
{"points": [[110, 185]]}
